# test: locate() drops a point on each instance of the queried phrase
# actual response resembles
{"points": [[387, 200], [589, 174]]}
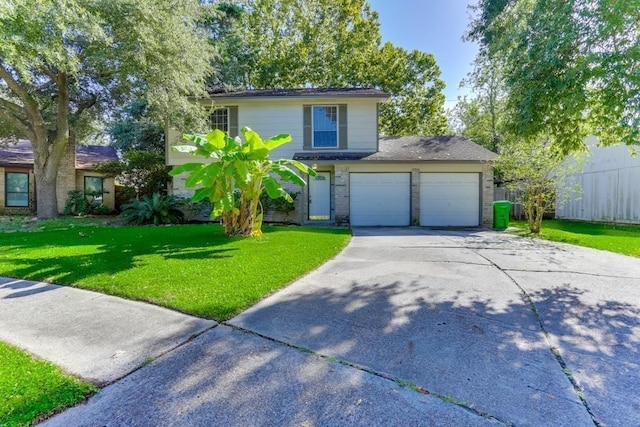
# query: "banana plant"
{"points": [[235, 173]]}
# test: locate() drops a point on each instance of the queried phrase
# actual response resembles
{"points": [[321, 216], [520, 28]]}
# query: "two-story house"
{"points": [[363, 179]]}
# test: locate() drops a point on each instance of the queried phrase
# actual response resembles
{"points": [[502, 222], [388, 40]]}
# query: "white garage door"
{"points": [[380, 198], [449, 199]]}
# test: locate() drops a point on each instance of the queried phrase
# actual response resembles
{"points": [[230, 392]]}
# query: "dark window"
{"points": [[220, 119], [93, 188], [17, 189], [325, 126]]}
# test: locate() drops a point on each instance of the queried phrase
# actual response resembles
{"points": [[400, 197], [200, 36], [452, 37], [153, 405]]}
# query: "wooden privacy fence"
{"points": [[503, 193]]}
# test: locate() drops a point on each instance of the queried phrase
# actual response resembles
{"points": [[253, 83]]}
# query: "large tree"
{"points": [[331, 43], [482, 117], [65, 63], [571, 67]]}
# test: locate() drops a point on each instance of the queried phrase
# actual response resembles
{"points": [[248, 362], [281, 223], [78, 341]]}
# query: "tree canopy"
{"points": [[65, 64], [572, 68], [331, 43]]}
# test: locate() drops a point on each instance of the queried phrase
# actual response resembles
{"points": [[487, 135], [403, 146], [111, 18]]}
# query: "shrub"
{"points": [[281, 204], [80, 203], [76, 204], [156, 209], [196, 210]]}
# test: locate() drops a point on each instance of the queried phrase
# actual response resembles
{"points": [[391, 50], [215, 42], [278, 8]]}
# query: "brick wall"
{"points": [[341, 194], [415, 196], [487, 195]]}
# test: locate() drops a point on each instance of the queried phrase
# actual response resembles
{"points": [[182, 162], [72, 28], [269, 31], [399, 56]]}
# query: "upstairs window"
{"points": [[220, 119], [325, 126], [17, 189]]}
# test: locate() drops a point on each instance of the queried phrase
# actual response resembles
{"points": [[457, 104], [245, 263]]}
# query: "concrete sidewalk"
{"points": [[98, 337]]}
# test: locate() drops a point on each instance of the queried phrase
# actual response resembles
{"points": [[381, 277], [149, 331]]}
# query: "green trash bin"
{"points": [[501, 209]]}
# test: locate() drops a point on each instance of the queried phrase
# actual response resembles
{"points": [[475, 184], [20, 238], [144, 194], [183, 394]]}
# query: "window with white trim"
{"points": [[325, 126], [219, 119]]}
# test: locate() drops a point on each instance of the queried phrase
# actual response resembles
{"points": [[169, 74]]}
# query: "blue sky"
{"points": [[434, 26]]}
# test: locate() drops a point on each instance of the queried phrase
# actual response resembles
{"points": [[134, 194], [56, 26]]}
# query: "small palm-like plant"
{"points": [[235, 174], [156, 209]]}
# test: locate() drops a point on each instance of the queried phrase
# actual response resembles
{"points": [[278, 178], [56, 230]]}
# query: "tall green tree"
{"points": [[134, 127], [334, 43], [416, 105], [63, 63], [571, 67], [483, 117]]}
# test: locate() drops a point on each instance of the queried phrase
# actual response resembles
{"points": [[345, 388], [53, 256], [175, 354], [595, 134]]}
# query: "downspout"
{"points": [[377, 127]]}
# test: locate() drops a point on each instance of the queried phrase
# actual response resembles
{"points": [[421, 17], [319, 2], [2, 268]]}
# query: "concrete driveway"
{"points": [[410, 327]]}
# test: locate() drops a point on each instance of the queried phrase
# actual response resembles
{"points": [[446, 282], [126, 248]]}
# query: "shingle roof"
{"points": [[445, 147], [412, 148], [21, 154], [18, 154], [89, 155], [315, 92]]}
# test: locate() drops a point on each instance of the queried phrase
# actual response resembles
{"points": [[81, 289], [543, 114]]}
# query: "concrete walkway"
{"points": [[406, 327], [94, 336]]}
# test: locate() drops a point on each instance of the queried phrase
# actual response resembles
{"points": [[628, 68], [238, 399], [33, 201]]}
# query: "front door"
{"points": [[320, 196]]}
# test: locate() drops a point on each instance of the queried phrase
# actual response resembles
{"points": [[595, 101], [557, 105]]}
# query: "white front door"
{"points": [[320, 196]]}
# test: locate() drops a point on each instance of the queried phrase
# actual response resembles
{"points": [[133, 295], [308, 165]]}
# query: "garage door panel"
{"points": [[380, 199], [449, 199]]}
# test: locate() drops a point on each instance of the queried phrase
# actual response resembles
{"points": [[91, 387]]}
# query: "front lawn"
{"points": [[191, 268], [30, 388], [622, 239]]}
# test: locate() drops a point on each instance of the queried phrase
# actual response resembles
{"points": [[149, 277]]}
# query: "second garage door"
{"points": [[380, 199], [449, 199]]}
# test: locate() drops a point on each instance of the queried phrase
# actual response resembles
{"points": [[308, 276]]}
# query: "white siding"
{"points": [[608, 184], [271, 117], [362, 126], [173, 158]]}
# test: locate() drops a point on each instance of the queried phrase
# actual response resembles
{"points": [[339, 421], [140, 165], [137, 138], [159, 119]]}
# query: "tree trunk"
{"points": [[46, 163], [46, 197]]}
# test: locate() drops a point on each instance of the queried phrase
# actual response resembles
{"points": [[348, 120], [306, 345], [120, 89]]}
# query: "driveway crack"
{"points": [[566, 271], [397, 380], [554, 350]]}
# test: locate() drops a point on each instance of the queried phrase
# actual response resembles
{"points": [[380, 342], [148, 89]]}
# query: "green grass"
{"points": [[622, 239], [191, 268], [31, 388], [11, 224]]}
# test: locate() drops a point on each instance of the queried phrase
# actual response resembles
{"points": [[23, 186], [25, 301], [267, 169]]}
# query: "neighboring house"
{"points": [[362, 178], [76, 172], [609, 187]]}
